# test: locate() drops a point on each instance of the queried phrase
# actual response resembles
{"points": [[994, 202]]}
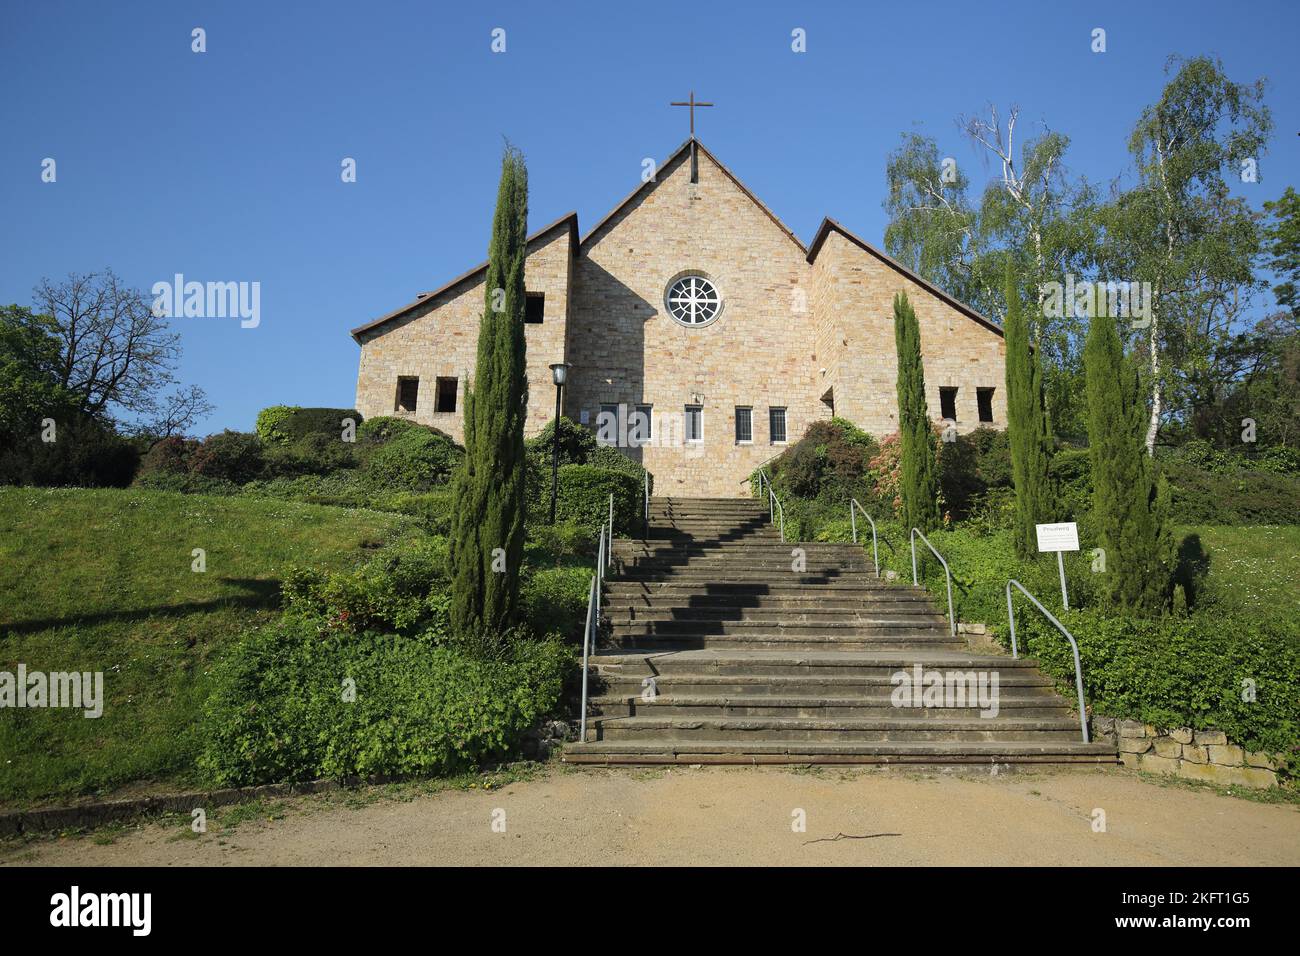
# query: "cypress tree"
{"points": [[1129, 500], [487, 528], [1027, 426], [919, 484]]}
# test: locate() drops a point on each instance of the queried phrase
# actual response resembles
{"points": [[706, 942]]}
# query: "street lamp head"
{"points": [[560, 370]]}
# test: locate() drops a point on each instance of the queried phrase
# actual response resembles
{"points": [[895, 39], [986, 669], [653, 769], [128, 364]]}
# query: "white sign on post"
{"points": [[1060, 537]]}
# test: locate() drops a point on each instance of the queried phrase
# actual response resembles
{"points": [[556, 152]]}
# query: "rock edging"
{"points": [[1205, 755]]}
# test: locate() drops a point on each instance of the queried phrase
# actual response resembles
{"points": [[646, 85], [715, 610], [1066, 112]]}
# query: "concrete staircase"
{"points": [[716, 648]]}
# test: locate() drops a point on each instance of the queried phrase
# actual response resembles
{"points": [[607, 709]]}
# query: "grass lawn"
{"points": [[101, 580], [1255, 570]]}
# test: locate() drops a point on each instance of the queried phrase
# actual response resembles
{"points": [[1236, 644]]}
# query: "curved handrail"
{"points": [[947, 573], [1074, 646], [875, 546], [774, 506], [592, 615]]}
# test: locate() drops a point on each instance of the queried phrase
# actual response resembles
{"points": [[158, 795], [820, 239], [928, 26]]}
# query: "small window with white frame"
{"points": [[744, 425], [695, 423], [776, 425]]}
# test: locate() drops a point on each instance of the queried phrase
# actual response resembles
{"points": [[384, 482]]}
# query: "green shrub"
{"points": [[317, 454], [413, 460], [583, 498], [229, 456], [554, 601], [171, 454], [186, 483], [282, 424], [577, 444], [85, 454], [376, 431], [1180, 671], [399, 590], [613, 459], [280, 707], [1235, 497]]}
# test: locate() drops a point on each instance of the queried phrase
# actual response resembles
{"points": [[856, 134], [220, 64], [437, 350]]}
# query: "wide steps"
{"points": [[721, 643]]}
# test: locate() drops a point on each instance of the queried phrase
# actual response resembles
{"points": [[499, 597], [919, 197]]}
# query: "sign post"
{"points": [[1060, 538]]}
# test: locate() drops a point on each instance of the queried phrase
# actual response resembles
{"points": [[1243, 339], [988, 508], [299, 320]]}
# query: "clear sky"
{"points": [[225, 165]]}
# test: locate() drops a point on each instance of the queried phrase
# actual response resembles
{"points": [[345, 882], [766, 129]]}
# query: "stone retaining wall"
{"points": [[1182, 752]]}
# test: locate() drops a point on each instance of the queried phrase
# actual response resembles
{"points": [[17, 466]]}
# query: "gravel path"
{"points": [[721, 816]]}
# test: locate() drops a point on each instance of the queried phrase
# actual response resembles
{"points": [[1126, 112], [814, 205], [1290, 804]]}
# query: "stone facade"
{"points": [[1182, 752], [810, 332]]}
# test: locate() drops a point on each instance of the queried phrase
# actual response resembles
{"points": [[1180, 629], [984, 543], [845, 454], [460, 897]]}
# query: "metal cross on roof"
{"points": [[692, 104]]}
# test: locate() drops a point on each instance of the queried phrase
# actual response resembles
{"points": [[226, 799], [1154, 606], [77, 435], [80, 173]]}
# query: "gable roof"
{"points": [[570, 220], [830, 225], [646, 187]]}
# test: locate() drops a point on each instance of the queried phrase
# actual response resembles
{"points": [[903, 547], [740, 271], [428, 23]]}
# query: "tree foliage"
{"points": [[1130, 503], [1027, 426], [919, 486], [487, 533]]}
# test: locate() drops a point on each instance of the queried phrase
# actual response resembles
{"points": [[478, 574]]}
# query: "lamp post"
{"points": [[559, 371]]}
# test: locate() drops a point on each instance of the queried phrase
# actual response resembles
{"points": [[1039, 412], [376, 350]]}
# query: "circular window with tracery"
{"points": [[693, 300]]}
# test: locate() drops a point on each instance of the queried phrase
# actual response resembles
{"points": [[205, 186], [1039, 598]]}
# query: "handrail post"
{"points": [[853, 521], [1074, 648], [586, 649], [609, 555]]}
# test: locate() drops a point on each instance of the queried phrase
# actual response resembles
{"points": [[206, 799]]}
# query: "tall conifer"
{"points": [[1129, 499], [919, 485], [487, 527], [1027, 426]]}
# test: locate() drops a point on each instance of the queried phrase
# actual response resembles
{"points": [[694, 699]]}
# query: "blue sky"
{"points": [[225, 165]]}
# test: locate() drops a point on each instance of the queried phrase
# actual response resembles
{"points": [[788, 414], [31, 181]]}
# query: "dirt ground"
{"points": [[724, 816]]}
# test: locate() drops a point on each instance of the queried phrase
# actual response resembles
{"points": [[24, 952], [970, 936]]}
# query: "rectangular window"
{"points": [[776, 425], [640, 428], [446, 399], [408, 392], [985, 398], [744, 425], [607, 425], [534, 307], [694, 423], [948, 402]]}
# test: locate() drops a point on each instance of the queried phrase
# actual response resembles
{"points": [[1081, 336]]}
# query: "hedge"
{"points": [[280, 707], [280, 424], [583, 497]]}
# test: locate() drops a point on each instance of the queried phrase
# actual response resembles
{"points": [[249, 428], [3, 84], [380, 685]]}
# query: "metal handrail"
{"points": [[1074, 646], [645, 486], [609, 552], [586, 646], [774, 506], [916, 532], [875, 546]]}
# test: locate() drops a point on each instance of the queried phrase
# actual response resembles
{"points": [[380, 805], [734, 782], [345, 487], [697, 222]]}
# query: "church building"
{"points": [[701, 334]]}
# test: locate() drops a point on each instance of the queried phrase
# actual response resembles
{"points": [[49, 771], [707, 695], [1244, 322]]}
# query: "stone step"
{"points": [[773, 566], [915, 614], [832, 729], [867, 626], [729, 604], [966, 753], [741, 575], [867, 587], [663, 643], [675, 705], [777, 664], [673, 684], [639, 546]]}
